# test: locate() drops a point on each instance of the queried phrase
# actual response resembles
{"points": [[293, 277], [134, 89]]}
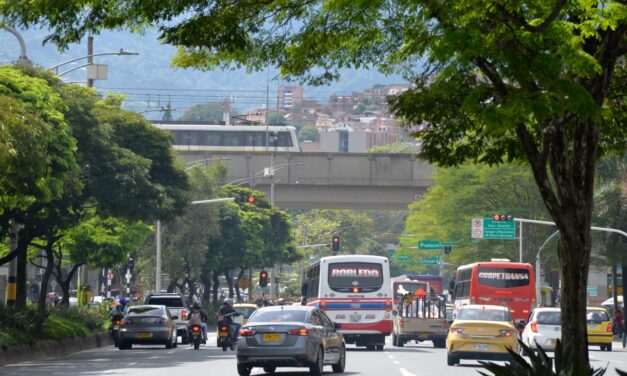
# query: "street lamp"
{"points": [[22, 59], [158, 239], [119, 53]]}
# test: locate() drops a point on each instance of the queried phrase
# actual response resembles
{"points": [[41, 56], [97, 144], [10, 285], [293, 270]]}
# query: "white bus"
{"points": [[204, 137], [355, 291]]}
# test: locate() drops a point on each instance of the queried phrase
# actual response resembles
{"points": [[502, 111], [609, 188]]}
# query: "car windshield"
{"points": [[283, 315], [145, 311], [484, 314], [166, 301], [595, 317], [245, 311], [549, 318]]}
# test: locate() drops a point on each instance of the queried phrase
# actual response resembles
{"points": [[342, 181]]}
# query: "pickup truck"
{"points": [[178, 310], [420, 318]]}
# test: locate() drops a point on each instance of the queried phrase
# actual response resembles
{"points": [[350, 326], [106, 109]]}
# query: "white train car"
{"points": [[205, 137]]}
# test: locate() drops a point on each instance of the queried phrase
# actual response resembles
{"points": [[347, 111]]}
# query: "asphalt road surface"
{"points": [[411, 360]]}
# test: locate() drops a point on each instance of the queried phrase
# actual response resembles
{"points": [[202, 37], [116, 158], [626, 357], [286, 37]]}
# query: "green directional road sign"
{"points": [[401, 258], [430, 260], [429, 245], [487, 228]]}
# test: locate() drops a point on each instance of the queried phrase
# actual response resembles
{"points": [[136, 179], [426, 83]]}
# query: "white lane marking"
{"points": [[405, 372], [396, 362], [391, 356]]}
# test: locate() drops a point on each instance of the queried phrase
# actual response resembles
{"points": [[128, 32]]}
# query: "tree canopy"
{"points": [[208, 112]]}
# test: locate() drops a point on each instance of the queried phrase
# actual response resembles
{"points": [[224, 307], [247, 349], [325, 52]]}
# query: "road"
{"points": [[411, 360]]}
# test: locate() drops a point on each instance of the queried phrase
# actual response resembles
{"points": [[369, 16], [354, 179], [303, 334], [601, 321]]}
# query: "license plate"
{"points": [[144, 335], [355, 318], [481, 346], [271, 337], [116, 327], [223, 334], [592, 326]]}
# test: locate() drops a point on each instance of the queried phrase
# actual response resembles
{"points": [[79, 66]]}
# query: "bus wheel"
{"points": [[379, 347], [370, 347]]}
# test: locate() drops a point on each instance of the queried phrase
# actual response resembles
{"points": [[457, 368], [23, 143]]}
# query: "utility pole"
{"points": [[90, 58]]}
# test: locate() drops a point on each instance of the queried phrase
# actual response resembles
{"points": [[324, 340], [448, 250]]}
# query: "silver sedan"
{"points": [[290, 336], [146, 325]]}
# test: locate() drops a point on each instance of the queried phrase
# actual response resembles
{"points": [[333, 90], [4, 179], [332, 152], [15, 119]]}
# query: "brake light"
{"points": [[458, 331], [506, 333], [388, 305], [223, 328], [323, 305], [117, 322], [184, 314], [246, 332], [355, 290], [196, 328], [401, 323], [534, 326], [299, 332], [445, 324], [609, 328], [165, 321]]}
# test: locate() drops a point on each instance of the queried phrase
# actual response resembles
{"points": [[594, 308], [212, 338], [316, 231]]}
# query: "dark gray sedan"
{"points": [[147, 325], [290, 336]]}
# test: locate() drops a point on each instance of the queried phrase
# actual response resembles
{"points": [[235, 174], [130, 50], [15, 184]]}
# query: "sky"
{"points": [[150, 82]]}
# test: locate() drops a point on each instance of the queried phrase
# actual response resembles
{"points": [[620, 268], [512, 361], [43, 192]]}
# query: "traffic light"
{"points": [[245, 199], [447, 249], [335, 244], [263, 278], [503, 217], [251, 199]]}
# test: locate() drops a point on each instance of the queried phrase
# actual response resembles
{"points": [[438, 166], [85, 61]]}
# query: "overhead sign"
{"points": [[429, 245], [592, 290], [487, 228]]}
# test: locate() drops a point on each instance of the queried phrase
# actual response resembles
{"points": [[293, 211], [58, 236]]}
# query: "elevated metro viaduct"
{"points": [[326, 180]]}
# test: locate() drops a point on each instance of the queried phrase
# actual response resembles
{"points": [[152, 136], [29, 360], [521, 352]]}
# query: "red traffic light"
{"points": [[251, 199], [263, 275], [503, 217]]}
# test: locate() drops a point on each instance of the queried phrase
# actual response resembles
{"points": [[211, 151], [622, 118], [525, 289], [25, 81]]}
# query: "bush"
{"points": [[540, 364], [92, 319], [57, 327]]}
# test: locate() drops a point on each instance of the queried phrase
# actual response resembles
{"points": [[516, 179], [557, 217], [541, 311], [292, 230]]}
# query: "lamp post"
{"points": [[89, 58], [158, 238], [22, 59]]}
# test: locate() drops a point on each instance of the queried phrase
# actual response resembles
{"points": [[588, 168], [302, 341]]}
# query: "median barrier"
{"points": [[53, 348]]}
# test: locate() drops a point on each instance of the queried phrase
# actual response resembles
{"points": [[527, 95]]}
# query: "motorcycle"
{"points": [[196, 336], [116, 320], [226, 337]]}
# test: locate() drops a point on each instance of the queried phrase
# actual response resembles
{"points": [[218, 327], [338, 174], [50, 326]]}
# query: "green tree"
{"points": [[526, 81], [308, 133], [276, 118], [208, 112]]}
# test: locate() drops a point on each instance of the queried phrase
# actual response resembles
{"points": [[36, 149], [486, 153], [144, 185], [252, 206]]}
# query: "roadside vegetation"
{"points": [[26, 325]]}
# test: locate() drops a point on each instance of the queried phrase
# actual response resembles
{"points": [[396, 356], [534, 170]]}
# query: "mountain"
{"points": [[150, 82]]}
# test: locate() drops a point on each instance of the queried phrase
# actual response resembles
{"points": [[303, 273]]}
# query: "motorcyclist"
{"points": [[226, 315], [202, 320]]}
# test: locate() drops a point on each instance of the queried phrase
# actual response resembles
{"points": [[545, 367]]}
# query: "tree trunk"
{"points": [[215, 276], [65, 284], [45, 278], [172, 285], [229, 282], [22, 261], [237, 290], [205, 277]]}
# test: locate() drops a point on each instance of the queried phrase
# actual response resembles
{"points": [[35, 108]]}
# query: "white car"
{"points": [[543, 329]]}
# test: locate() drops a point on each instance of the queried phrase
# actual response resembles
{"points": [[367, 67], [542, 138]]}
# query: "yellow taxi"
{"points": [[246, 309], [482, 332], [599, 328]]}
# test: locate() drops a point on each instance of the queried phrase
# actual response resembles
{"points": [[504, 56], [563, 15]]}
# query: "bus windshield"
{"points": [[503, 277], [347, 276]]}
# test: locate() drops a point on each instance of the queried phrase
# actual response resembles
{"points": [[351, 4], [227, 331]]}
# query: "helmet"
{"points": [[228, 301], [123, 301], [196, 305]]}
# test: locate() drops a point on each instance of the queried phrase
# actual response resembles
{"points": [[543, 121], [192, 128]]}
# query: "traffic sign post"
{"points": [[429, 245], [488, 228]]}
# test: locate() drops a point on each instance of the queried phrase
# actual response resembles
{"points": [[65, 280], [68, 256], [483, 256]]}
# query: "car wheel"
{"points": [[184, 340], [224, 347], [379, 347], [341, 364], [316, 368], [243, 370], [608, 347], [269, 369], [175, 344], [168, 344], [398, 342]]}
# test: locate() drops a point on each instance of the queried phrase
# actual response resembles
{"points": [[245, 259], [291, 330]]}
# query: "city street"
{"points": [[411, 360]]}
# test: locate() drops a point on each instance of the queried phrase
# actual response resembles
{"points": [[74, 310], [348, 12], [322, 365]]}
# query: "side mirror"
{"points": [[337, 326], [175, 317]]}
